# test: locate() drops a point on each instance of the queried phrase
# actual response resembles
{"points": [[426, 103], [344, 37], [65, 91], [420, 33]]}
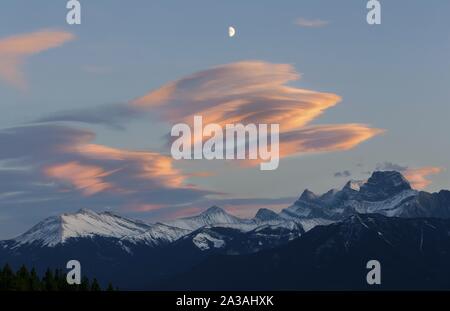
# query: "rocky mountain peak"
{"points": [[308, 195], [213, 210], [384, 184], [265, 214]]}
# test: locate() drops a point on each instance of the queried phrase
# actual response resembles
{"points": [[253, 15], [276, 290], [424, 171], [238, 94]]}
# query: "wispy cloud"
{"points": [[389, 166], [15, 50], [55, 167], [325, 138], [311, 23], [345, 173], [418, 177], [256, 92], [243, 92], [87, 178], [59, 167]]}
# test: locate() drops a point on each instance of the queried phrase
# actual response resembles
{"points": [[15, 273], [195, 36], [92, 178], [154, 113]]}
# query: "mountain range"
{"points": [[319, 242], [414, 254]]}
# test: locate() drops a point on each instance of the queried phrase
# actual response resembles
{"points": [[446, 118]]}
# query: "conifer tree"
{"points": [[23, 280], [34, 281], [49, 281], [85, 285], [95, 287], [8, 277], [110, 287]]}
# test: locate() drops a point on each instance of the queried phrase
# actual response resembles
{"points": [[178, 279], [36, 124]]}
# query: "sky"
{"points": [[87, 109]]}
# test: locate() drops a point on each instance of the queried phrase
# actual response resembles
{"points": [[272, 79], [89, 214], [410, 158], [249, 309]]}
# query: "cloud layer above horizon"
{"points": [[15, 50], [244, 92], [55, 165], [256, 92], [49, 162]]}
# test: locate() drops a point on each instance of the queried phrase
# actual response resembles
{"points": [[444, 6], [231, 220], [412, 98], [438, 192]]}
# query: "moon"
{"points": [[231, 31]]}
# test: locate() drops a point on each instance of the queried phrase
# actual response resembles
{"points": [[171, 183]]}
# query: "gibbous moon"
{"points": [[231, 31]]}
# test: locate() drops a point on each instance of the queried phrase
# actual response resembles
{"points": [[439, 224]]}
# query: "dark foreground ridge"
{"points": [[414, 254]]}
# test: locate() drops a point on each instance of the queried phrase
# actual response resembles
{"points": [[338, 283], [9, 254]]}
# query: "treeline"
{"points": [[53, 280]]}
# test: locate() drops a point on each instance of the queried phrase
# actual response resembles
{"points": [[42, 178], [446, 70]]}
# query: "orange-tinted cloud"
{"points": [[248, 92], [418, 177], [243, 92], [65, 169], [323, 138], [143, 165], [65, 155], [256, 92], [15, 49], [86, 178], [144, 207]]}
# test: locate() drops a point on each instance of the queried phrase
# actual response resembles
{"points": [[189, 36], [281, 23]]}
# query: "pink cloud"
{"points": [[144, 207], [418, 177], [323, 138], [15, 50], [256, 92], [88, 179], [243, 92], [144, 165], [184, 212]]}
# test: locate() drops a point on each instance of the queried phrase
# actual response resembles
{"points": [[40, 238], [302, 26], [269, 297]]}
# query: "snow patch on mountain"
{"points": [[391, 207], [156, 235], [205, 241], [291, 214], [387, 193]]}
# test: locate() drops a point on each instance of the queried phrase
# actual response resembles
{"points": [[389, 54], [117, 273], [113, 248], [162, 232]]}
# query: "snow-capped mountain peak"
{"points": [[384, 184], [308, 195], [387, 193], [213, 210], [213, 216], [84, 223], [265, 214]]}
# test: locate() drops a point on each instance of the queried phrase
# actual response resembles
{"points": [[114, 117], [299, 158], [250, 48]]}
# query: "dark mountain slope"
{"points": [[414, 254]]}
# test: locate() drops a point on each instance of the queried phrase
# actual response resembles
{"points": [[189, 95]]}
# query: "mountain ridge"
{"points": [[413, 252], [143, 255], [385, 192]]}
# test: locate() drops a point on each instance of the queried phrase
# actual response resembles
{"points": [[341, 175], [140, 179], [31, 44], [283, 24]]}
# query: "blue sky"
{"points": [[393, 76]]}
